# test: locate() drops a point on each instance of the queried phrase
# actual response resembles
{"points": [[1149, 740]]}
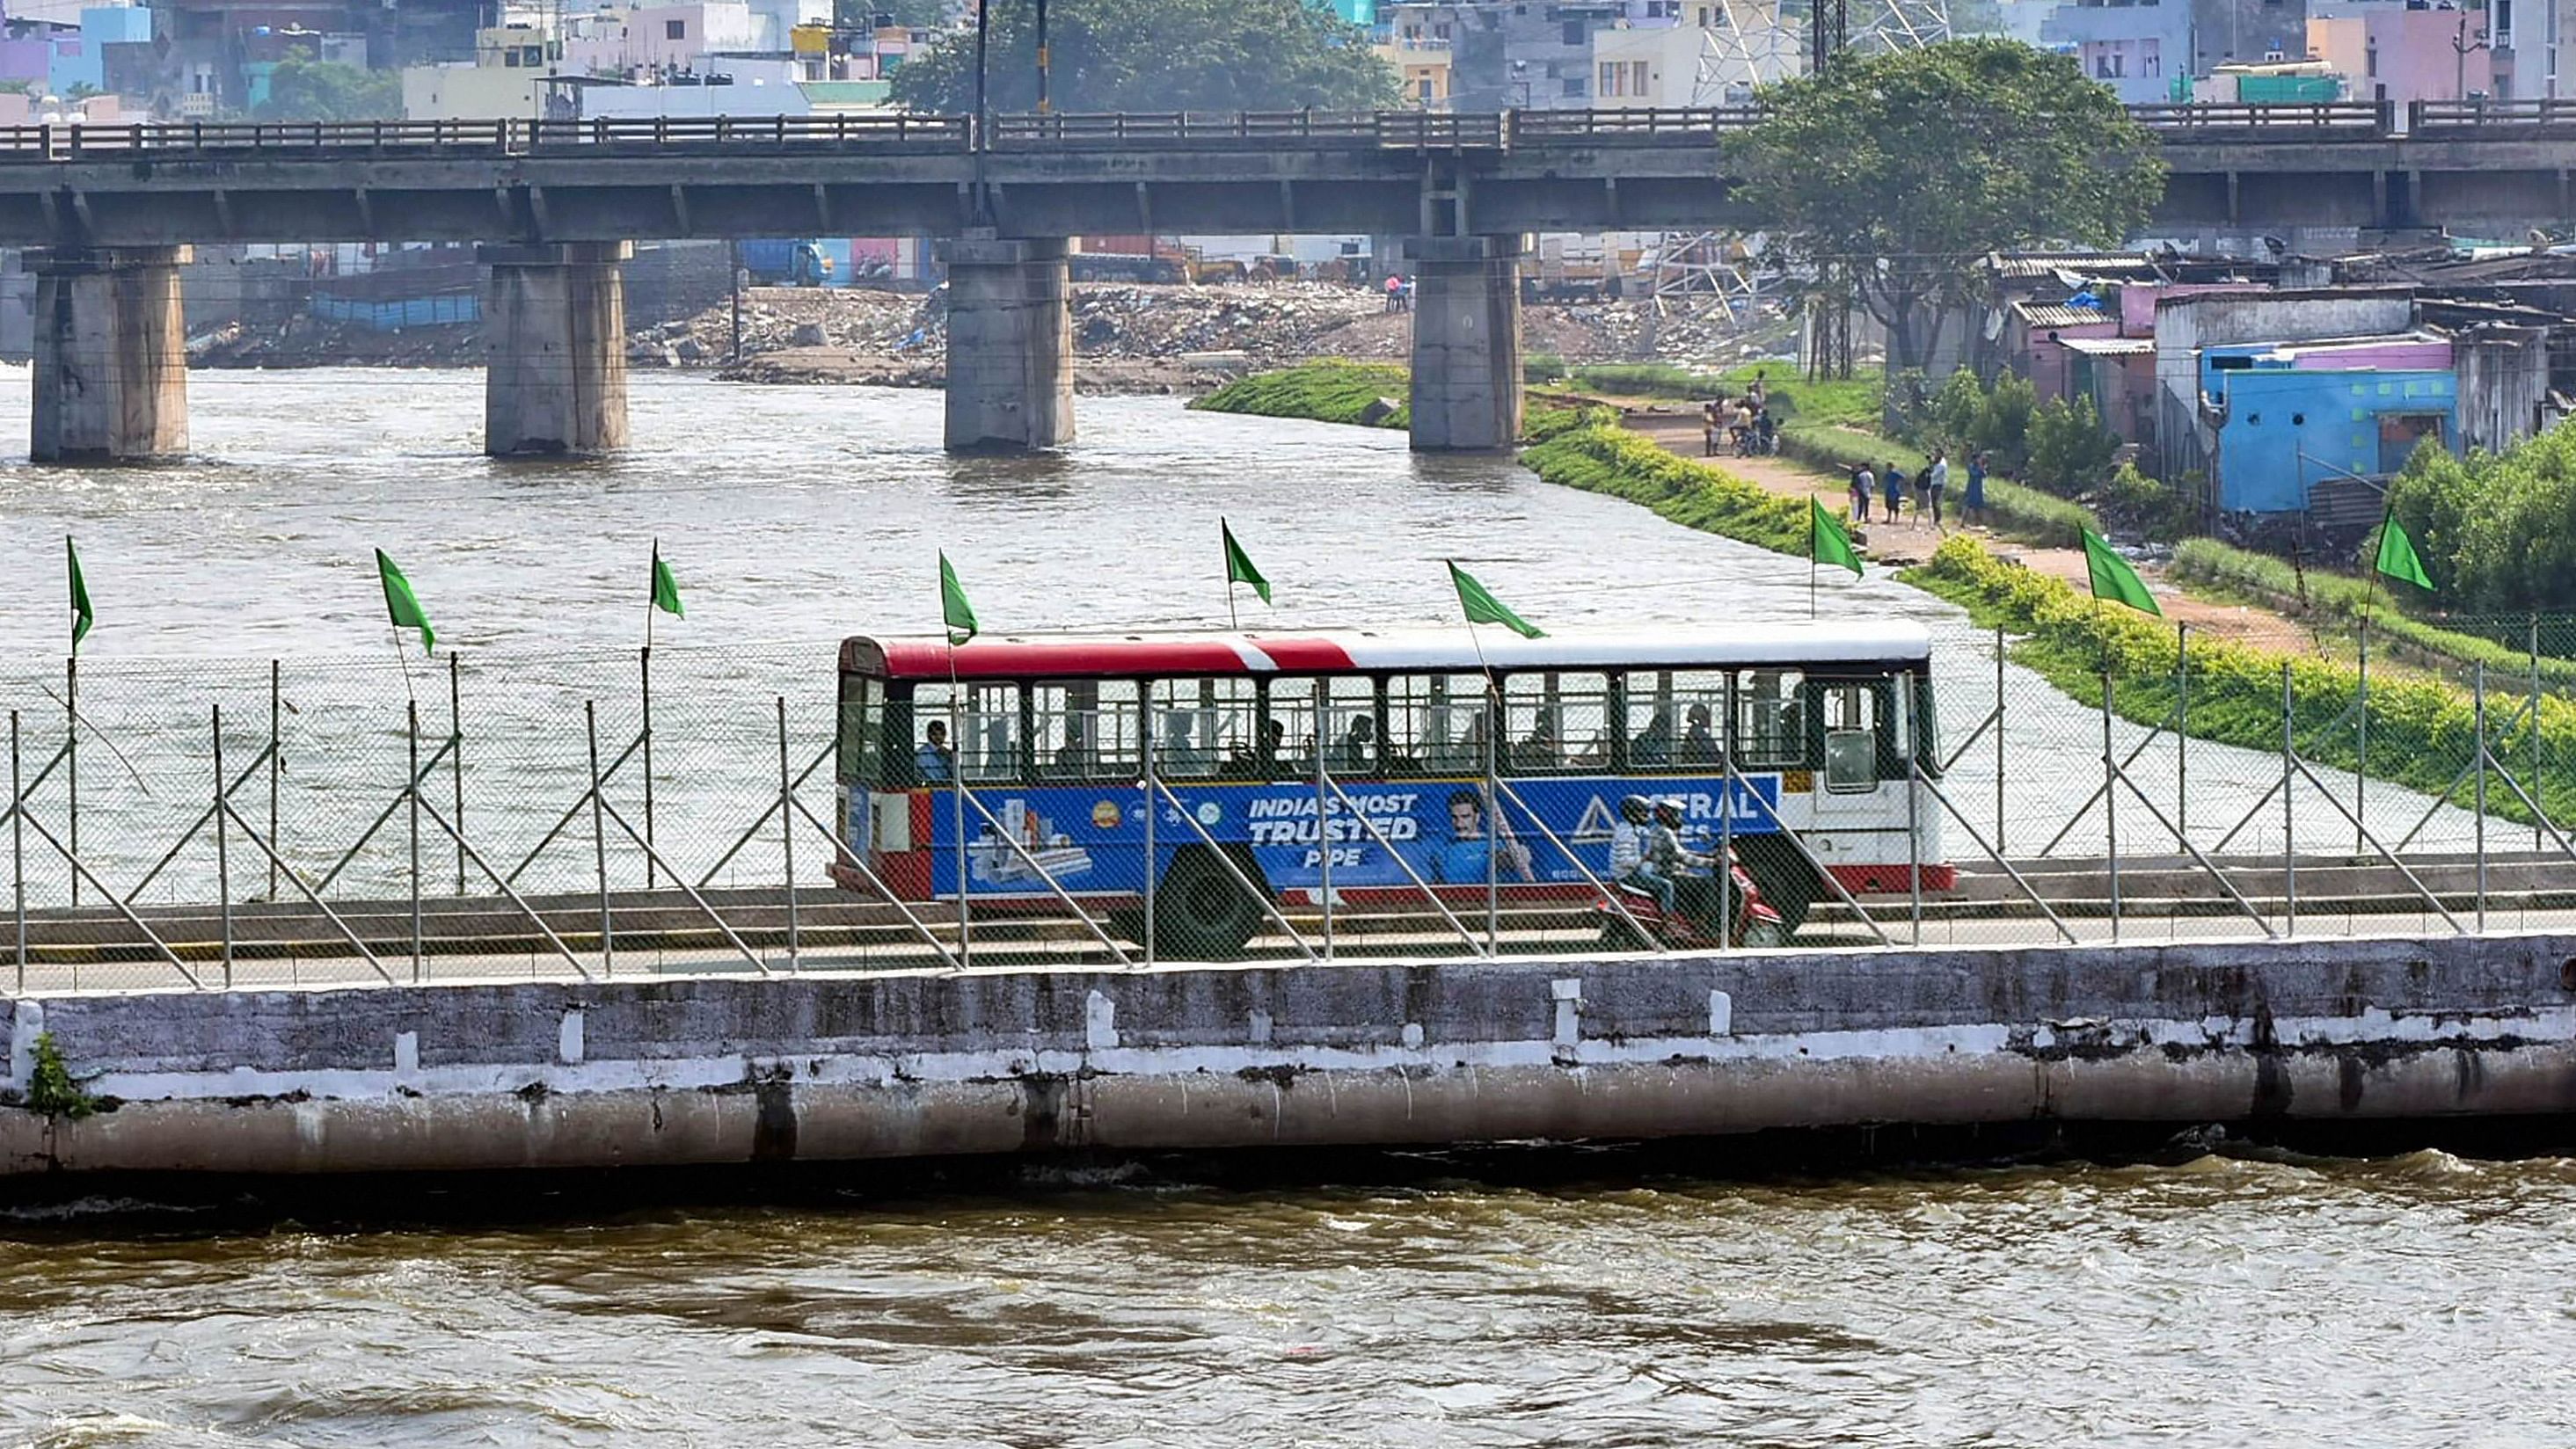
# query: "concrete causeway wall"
{"points": [[712, 1070]]}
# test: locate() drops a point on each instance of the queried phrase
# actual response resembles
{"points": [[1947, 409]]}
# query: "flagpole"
{"points": [[1493, 801], [957, 794]]}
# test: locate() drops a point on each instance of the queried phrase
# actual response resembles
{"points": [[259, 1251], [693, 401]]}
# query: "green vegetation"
{"points": [[2493, 528], [2013, 510], [50, 1088], [1157, 56], [304, 89], [2421, 729], [2340, 601], [1935, 156], [1649, 379], [1331, 391], [1595, 454], [1538, 369]]}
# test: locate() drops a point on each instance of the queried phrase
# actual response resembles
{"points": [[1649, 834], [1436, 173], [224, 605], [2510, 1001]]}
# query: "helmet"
{"points": [[1634, 807], [1670, 805]]}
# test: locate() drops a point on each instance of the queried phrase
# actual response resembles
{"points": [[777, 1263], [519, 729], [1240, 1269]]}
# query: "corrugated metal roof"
{"points": [[2109, 346], [2057, 314], [2042, 264]]}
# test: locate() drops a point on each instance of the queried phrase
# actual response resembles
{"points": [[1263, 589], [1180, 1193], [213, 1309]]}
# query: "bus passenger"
{"points": [[1542, 750], [1699, 743], [1652, 748], [1258, 761], [934, 762], [1180, 755], [1358, 752], [1072, 761]]}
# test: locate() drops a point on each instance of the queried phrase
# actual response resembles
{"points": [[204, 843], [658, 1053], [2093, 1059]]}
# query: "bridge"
{"points": [[109, 210]]}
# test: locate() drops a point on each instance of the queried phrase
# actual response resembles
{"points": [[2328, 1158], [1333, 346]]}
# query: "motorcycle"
{"points": [[1757, 924]]}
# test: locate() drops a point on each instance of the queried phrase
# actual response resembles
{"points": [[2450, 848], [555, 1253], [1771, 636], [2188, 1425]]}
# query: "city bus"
{"points": [[1478, 771]]}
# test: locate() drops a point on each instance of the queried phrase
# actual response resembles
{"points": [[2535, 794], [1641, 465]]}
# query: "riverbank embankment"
{"points": [[677, 1072]]}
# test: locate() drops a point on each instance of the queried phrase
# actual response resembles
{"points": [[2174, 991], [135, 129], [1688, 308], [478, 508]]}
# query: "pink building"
{"points": [[2389, 51]]}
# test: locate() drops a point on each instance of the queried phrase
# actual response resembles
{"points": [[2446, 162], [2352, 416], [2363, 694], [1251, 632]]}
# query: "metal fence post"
{"points": [[787, 828], [1999, 739], [1153, 807], [2110, 806], [2361, 738], [599, 841], [71, 756], [18, 850], [1914, 828], [223, 846], [1725, 872], [644, 670], [411, 790], [2540, 813], [276, 771], [2478, 706], [1494, 720], [1323, 821], [2182, 730], [957, 813], [2289, 810], [456, 757]]}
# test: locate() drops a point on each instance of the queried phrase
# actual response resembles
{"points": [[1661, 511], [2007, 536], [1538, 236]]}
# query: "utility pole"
{"points": [[2460, 49], [1046, 100]]}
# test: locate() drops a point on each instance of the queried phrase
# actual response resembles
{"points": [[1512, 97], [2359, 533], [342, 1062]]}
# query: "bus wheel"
{"points": [[1200, 910], [1787, 882]]}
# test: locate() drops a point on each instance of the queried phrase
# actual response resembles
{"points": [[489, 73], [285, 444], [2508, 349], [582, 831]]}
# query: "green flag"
{"points": [[666, 589], [2113, 579], [1482, 607], [402, 607], [2397, 557], [82, 617], [1826, 541], [1238, 565], [954, 611]]}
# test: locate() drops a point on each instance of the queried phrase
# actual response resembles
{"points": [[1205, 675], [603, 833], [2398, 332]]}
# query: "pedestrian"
{"points": [[1394, 292], [1975, 501], [1861, 483], [1891, 491], [1936, 482], [1708, 428]]}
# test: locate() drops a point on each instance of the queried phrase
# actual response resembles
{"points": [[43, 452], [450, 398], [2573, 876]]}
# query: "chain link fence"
{"points": [[490, 817]]}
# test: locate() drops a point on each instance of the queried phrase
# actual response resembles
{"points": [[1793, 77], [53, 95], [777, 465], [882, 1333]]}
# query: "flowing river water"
{"points": [[2217, 1298]]}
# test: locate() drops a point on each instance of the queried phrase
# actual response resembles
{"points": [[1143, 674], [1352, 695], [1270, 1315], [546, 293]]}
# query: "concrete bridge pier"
{"points": [[1010, 344], [554, 339], [1466, 342], [111, 355]]}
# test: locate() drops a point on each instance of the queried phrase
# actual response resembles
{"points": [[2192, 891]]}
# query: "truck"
{"points": [[785, 262]]}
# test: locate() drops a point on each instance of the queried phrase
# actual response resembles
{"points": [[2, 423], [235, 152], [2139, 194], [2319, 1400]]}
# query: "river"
{"points": [[2226, 1299], [1602, 1300]]}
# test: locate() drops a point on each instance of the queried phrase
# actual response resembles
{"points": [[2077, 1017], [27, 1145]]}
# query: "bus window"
{"points": [[1672, 719], [1556, 722], [861, 758], [988, 729], [1084, 728], [1351, 723], [1850, 714], [1436, 724], [1288, 728], [1770, 727], [1200, 725]]}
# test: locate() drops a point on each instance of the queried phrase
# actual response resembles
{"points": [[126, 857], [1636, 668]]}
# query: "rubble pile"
{"points": [[1268, 321], [775, 319]]}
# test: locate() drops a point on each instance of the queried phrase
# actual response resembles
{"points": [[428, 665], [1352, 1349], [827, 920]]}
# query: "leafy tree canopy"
{"points": [[304, 89], [1157, 55], [1899, 171]]}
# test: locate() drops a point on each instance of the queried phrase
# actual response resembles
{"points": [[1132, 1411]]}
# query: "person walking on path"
{"points": [[1891, 491], [1936, 482], [1861, 483], [1974, 503]]}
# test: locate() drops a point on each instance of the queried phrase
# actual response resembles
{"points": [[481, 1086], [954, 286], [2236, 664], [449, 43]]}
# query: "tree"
{"points": [[1900, 171], [1157, 55], [304, 89]]}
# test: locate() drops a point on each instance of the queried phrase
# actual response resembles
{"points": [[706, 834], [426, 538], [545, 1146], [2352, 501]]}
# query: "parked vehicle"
{"points": [[786, 262]]}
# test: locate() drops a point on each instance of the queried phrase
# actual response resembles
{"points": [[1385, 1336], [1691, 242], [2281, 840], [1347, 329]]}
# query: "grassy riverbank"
{"points": [[2422, 730]]}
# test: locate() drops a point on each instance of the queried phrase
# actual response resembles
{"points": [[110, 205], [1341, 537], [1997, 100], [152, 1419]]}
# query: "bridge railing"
{"points": [[2489, 116], [2365, 120], [1646, 125]]}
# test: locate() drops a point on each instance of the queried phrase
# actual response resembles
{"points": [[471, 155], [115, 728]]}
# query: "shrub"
{"points": [[1649, 379], [1541, 368], [2070, 450], [2492, 528], [2419, 728], [2148, 506], [1601, 457], [1331, 391]]}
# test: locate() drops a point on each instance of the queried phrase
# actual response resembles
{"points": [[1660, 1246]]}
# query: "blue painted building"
{"points": [[2293, 417]]}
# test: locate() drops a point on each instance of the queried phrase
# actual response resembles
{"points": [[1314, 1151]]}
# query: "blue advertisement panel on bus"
{"points": [[1091, 838]]}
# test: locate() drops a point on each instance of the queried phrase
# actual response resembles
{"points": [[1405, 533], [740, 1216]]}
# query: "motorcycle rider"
{"points": [[1628, 840]]}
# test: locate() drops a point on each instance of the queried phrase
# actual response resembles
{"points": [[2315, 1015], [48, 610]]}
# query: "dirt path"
{"points": [[1912, 542]]}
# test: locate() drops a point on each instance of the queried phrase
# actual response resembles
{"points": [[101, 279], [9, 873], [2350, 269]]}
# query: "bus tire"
{"points": [[1787, 882], [1201, 911]]}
